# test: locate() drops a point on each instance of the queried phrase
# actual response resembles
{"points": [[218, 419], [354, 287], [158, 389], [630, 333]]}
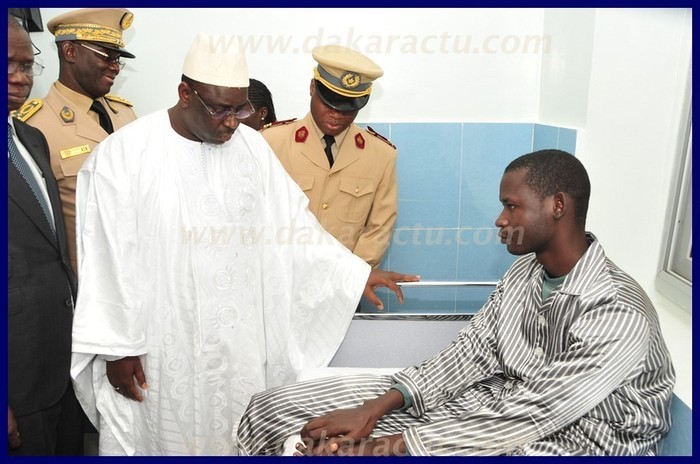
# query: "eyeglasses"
{"points": [[225, 113], [33, 69], [109, 60]]}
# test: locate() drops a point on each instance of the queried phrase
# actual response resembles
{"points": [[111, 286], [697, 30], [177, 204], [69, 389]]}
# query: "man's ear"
{"points": [[560, 205], [312, 88], [185, 94], [68, 51]]}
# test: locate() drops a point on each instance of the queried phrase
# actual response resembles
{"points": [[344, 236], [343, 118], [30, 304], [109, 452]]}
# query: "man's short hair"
{"points": [[552, 171]]}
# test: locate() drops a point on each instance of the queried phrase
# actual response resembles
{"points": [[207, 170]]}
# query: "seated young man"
{"points": [[565, 358]]}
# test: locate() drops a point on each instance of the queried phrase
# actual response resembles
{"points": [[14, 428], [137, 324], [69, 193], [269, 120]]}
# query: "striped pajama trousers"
{"points": [[273, 415]]}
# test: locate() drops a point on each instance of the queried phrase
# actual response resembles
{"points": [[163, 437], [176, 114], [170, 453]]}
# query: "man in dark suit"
{"points": [[43, 415]]}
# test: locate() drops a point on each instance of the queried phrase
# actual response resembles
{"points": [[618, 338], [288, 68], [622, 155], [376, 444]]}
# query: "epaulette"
{"points": [[28, 109], [380, 137], [277, 123], [118, 100]]}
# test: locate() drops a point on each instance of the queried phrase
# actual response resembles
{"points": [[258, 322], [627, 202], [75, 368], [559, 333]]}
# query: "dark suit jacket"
{"points": [[40, 287]]}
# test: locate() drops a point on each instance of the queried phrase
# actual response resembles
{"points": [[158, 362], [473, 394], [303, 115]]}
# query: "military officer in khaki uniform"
{"points": [[348, 173], [78, 112]]}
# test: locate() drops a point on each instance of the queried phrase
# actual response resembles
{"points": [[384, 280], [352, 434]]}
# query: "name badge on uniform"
{"points": [[75, 151]]}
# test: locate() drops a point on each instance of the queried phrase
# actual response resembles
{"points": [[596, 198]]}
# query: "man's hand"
{"points": [[326, 434], [345, 431], [13, 440], [388, 279], [124, 375], [342, 428]]}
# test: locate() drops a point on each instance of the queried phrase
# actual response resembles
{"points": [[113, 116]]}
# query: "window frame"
{"points": [[674, 279]]}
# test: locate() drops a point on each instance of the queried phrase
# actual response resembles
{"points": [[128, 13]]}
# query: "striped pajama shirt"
{"points": [[584, 372]]}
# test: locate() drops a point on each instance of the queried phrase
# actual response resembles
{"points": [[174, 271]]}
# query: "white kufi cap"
{"points": [[216, 60]]}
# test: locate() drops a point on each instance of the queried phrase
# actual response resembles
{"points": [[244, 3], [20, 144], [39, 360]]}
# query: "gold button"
{"points": [[357, 189], [325, 206]]}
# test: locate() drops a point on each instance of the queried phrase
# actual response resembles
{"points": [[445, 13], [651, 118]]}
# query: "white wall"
{"points": [[639, 72], [617, 76], [566, 69]]}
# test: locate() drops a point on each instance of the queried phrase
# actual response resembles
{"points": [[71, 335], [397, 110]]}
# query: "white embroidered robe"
{"points": [[204, 261]]}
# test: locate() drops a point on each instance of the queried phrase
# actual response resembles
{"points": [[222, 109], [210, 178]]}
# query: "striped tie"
{"points": [[23, 168]]}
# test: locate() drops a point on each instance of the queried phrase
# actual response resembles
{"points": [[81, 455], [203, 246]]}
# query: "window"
{"points": [[675, 280], [681, 258]]}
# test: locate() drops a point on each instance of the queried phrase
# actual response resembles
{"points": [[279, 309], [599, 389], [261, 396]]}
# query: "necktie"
{"points": [[330, 140], [105, 122], [21, 165]]}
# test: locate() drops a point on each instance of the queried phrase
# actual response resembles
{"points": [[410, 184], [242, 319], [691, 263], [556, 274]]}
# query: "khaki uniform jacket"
{"points": [[72, 134], [356, 199]]}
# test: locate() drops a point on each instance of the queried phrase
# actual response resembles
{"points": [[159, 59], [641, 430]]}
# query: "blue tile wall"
{"points": [[449, 175], [428, 174], [554, 137], [567, 140], [545, 137], [482, 256], [488, 148]]}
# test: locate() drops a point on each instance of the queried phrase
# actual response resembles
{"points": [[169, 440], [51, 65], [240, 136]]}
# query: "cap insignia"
{"points": [[359, 141], [67, 114], [301, 134], [126, 20], [350, 80]]}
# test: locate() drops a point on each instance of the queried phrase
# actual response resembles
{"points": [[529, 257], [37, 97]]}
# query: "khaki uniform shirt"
{"points": [[72, 131], [356, 199]]}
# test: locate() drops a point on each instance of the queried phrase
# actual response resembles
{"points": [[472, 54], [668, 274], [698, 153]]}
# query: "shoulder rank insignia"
{"points": [[359, 141], [277, 123], [301, 134], [28, 109], [380, 137], [67, 114], [114, 98]]}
